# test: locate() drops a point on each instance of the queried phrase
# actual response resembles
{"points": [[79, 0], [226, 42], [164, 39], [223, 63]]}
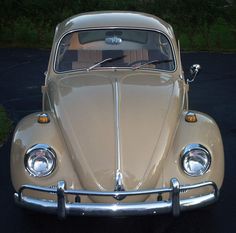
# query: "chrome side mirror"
{"points": [[194, 70], [45, 73]]}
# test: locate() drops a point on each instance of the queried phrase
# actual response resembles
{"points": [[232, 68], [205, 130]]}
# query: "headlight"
{"points": [[40, 160], [195, 160]]}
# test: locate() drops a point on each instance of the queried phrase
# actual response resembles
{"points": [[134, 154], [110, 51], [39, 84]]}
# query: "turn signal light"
{"points": [[191, 117], [43, 118]]}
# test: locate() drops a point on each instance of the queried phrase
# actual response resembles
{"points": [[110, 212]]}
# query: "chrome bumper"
{"points": [[62, 208]]}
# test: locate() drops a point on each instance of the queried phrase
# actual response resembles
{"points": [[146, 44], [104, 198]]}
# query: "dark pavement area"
{"points": [[213, 92]]}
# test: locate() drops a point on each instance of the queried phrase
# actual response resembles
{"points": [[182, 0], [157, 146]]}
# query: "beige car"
{"points": [[115, 136]]}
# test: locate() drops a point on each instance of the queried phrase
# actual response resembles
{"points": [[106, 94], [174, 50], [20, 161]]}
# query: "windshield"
{"points": [[120, 48]]}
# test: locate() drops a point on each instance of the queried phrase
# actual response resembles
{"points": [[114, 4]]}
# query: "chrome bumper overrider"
{"points": [[62, 208]]}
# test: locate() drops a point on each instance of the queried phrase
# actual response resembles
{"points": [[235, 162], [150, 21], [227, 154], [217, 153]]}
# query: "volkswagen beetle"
{"points": [[115, 136]]}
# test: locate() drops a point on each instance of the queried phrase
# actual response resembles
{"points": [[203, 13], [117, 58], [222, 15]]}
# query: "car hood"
{"points": [[118, 122]]}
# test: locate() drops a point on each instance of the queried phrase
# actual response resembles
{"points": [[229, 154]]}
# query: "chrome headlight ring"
{"points": [[195, 160], [40, 160]]}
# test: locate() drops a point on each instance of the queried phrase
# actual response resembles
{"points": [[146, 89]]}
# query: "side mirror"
{"points": [[194, 70], [45, 73]]}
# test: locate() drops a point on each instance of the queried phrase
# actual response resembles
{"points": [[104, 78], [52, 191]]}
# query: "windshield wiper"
{"points": [[110, 59], [153, 62]]}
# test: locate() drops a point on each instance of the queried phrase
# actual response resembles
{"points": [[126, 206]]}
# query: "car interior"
{"points": [[121, 48]]}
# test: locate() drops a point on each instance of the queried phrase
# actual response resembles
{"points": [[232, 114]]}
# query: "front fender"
{"points": [[28, 133], [206, 132]]}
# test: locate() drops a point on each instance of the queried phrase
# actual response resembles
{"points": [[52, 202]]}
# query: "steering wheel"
{"points": [[138, 61]]}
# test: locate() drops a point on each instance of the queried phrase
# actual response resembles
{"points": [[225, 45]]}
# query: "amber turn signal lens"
{"points": [[43, 118], [191, 117]]}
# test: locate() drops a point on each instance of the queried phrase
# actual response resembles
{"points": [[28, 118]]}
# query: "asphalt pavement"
{"points": [[213, 92]]}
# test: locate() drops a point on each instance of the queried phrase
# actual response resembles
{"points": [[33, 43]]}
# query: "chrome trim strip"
{"points": [[118, 174], [174, 204], [117, 122]]}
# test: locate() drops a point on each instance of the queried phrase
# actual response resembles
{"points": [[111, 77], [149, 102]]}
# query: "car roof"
{"points": [[104, 19]]}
